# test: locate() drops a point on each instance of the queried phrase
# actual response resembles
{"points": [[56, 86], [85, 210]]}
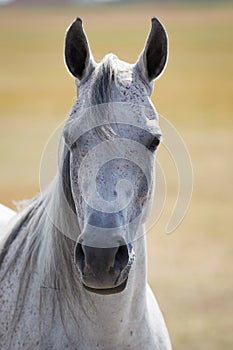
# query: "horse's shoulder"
{"points": [[6, 214]]}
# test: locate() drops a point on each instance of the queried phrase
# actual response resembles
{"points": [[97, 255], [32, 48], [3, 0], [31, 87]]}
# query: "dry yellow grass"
{"points": [[190, 270]]}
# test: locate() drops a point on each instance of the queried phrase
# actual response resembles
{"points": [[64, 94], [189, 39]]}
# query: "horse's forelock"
{"points": [[104, 81]]}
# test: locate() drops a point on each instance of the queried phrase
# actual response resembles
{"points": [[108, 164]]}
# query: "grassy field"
{"points": [[191, 269]]}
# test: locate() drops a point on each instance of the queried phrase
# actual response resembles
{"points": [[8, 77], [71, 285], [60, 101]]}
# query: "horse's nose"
{"points": [[101, 262]]}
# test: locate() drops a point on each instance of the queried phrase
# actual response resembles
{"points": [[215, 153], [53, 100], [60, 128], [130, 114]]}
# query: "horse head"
{"points": [[111, 137]]}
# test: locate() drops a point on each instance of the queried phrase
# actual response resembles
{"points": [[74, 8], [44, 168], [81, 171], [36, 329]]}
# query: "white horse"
{"points": [[73, 263]]}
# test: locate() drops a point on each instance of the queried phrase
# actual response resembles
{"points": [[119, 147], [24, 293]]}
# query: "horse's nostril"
{"points": [[122, 257], [97, 261], [79, 257]]}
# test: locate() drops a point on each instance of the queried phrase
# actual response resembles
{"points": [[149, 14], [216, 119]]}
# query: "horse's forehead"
{"points": [[113, 117], [115, 94]]}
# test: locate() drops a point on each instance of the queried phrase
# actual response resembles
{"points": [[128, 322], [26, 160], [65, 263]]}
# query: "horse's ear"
{"points": [[153, 58], [77, 52]]}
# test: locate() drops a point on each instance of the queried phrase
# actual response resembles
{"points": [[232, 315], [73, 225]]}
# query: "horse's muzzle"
{"points": [[104, 270]]}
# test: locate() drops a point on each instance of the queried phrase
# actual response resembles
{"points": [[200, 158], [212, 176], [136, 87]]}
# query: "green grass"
{"points": [[190, 270]]}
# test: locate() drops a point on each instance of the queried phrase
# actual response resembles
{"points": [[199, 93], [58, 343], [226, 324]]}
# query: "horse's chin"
{"points": [[107, 291]]}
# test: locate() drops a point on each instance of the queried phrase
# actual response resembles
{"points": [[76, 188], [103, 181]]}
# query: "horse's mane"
{"points": [[36, 247]]}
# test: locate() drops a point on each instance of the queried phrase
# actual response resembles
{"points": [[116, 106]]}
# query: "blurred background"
{"points": [[190, 270]]}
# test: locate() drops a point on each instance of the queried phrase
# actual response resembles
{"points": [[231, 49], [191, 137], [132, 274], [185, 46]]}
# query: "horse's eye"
{"points": [[154, 144]]}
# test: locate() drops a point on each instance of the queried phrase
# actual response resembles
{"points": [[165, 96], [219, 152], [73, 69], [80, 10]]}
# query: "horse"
{"points": [[73, 259]]}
